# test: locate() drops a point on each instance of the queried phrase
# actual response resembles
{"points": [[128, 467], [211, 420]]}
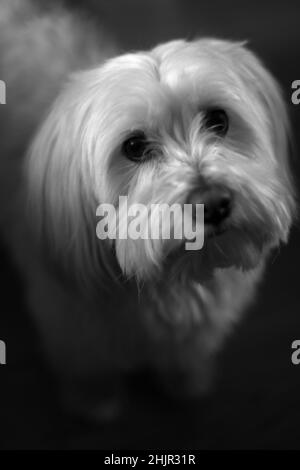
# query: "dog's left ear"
{"points": [[261, 82]]}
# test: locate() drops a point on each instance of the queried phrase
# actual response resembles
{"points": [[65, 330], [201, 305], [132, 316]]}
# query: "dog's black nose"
{"points": [[217, 207], [217, 204]]}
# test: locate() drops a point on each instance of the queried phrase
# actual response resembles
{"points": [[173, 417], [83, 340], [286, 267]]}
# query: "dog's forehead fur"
{"points": [[176, 80], [186, 67]]}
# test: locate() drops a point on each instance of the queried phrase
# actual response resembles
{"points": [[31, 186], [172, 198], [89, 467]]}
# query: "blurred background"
{"points": [[255, 403]]}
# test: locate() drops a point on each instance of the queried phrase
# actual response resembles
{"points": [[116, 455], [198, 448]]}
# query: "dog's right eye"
{"points": [[217, 121], [136, 147]]}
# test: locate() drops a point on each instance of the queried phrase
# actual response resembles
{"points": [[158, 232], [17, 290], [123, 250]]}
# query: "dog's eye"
{"points": [[135, 147], [217, 121]]}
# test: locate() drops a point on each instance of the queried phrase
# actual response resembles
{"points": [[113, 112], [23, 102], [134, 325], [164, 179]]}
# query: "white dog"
{"points": [[198, 122]]}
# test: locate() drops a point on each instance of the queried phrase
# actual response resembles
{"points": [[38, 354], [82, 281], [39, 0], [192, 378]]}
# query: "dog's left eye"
{"points": [[136, 147], [217, 121]]}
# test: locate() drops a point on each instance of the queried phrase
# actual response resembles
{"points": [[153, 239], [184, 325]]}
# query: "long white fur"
{"points": [[103, 309]]}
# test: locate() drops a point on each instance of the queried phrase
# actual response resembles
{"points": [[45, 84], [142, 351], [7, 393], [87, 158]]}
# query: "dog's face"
{"points": [[200, 122]]}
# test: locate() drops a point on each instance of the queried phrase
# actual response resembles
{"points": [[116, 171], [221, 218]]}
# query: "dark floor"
{"points": [[256, 401]]}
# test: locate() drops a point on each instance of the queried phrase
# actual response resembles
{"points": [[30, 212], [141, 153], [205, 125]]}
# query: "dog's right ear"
{"points": [[61, 194]]}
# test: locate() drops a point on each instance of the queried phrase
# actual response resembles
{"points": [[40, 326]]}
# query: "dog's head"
{"points": [[188, 122]]}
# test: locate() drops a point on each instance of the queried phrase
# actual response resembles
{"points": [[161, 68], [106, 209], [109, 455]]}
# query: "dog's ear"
{"points": [[61, 194], [261, 83]]}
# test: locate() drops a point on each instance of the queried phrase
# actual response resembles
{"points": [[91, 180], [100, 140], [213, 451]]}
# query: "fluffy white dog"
{"points": [[198, 122]]}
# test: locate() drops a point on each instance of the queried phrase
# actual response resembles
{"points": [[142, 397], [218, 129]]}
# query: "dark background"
{"points": [[256, 400]]}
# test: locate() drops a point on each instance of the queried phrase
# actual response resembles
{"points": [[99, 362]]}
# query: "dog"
{"points": [[197, 122]]}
